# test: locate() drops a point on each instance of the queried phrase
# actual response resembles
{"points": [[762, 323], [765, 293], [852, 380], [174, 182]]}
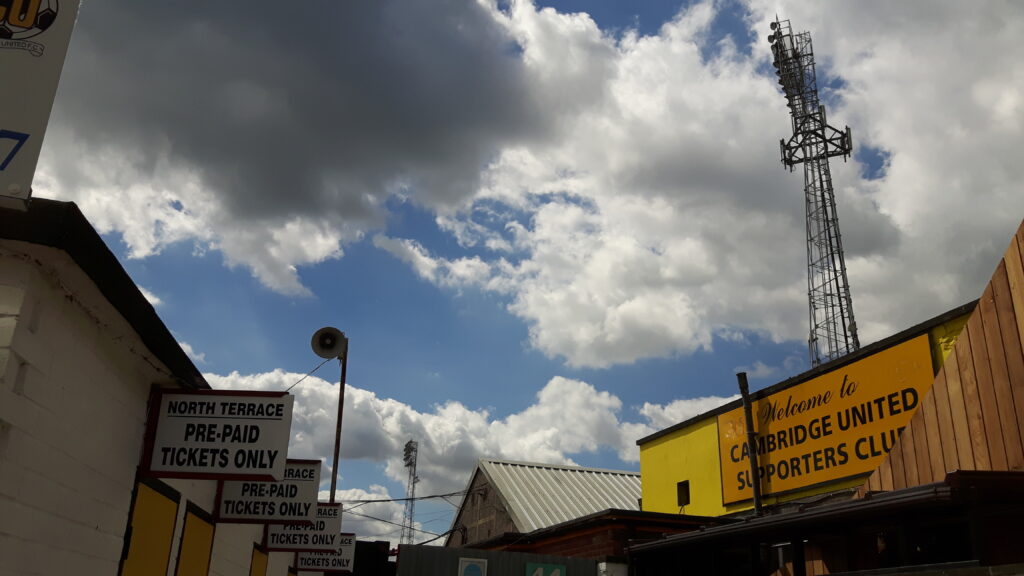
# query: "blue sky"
{"points": [[546, 233]]}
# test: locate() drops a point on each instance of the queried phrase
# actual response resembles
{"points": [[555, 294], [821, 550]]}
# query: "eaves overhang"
{"points": [[62, 226]]}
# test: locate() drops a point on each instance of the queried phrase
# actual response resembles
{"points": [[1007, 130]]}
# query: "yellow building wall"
{"points": [[943, 337], [687, 454]]}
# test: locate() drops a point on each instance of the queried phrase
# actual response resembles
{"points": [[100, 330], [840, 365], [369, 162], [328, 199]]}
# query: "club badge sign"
{"points": [[219, 435], [340, 560], [324, 535], [34, 38], [290, 501]]}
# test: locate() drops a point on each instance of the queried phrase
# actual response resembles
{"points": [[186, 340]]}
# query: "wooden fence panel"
{"points": [[899, 476], [1015, 273], [885, 474], [1002, 392], [908, 446], [973, 418], [991, 434], [947, 437], [958, 407], [1013, 353], [936, 467]]}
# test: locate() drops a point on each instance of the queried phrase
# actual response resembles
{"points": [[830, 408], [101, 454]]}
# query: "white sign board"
{"points": [[473, 567], [34, 37], [225, 435], [341, 560], [292, 500], [322, 535]]}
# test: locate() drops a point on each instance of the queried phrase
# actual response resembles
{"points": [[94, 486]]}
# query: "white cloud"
{"points": [[292, 153], [654, 214], [661, 416], [158, 214], [150, 297], [631, 244], [199, 357], [569, 417], [447, 273], [374, 520], [951, 183], [622, 192], [760, 370]]}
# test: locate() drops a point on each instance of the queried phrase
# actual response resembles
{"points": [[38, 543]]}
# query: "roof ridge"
{"points": [[536, 495], [567, 467]]}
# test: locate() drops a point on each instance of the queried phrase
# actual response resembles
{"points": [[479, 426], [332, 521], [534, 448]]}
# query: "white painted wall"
{"points": [[612, 569], [74, 384]]}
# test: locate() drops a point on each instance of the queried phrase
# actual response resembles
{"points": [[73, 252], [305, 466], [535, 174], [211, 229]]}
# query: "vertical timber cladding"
{"points": [[838, 425]]}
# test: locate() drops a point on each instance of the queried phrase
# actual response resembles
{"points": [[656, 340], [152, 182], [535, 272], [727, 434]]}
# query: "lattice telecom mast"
{"points": [[411, 452], [833, 329]]}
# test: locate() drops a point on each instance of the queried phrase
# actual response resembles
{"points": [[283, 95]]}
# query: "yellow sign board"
{"points": [[835, 426]]}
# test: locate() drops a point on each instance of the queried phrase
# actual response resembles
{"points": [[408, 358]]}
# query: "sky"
{"points": [[548, 228]]}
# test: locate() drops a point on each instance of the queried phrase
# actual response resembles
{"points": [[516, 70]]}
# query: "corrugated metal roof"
{"points": [[542, 495]]}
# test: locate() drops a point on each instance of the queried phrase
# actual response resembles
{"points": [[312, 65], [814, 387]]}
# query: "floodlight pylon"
{"points": [[833, 330], [409, 457]]}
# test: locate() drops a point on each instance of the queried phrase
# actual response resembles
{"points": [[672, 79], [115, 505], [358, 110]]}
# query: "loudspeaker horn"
{"points": [[329, 342]]}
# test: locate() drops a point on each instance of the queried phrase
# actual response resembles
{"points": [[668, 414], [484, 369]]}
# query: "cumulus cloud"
{"points": [[656, 216], [622, 192], [199, 357], [452, 436], [447, 273], [371, 514], [661, 416], [272, 147], [634, 236], [150, 297], [760, 370], [951, 182]]}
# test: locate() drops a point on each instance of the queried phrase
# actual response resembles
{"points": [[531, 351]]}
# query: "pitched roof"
{"points": [[542, 495]]}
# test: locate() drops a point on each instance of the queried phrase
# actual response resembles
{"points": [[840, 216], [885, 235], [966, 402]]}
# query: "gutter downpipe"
{"points": [[741, 377]]}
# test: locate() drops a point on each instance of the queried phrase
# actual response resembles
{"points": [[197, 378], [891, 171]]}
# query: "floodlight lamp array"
{"points": [[786, 58]]}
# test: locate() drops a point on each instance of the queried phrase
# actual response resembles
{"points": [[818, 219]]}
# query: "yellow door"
{"points": [[258, 566], [151, 529], [196, 543]]}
